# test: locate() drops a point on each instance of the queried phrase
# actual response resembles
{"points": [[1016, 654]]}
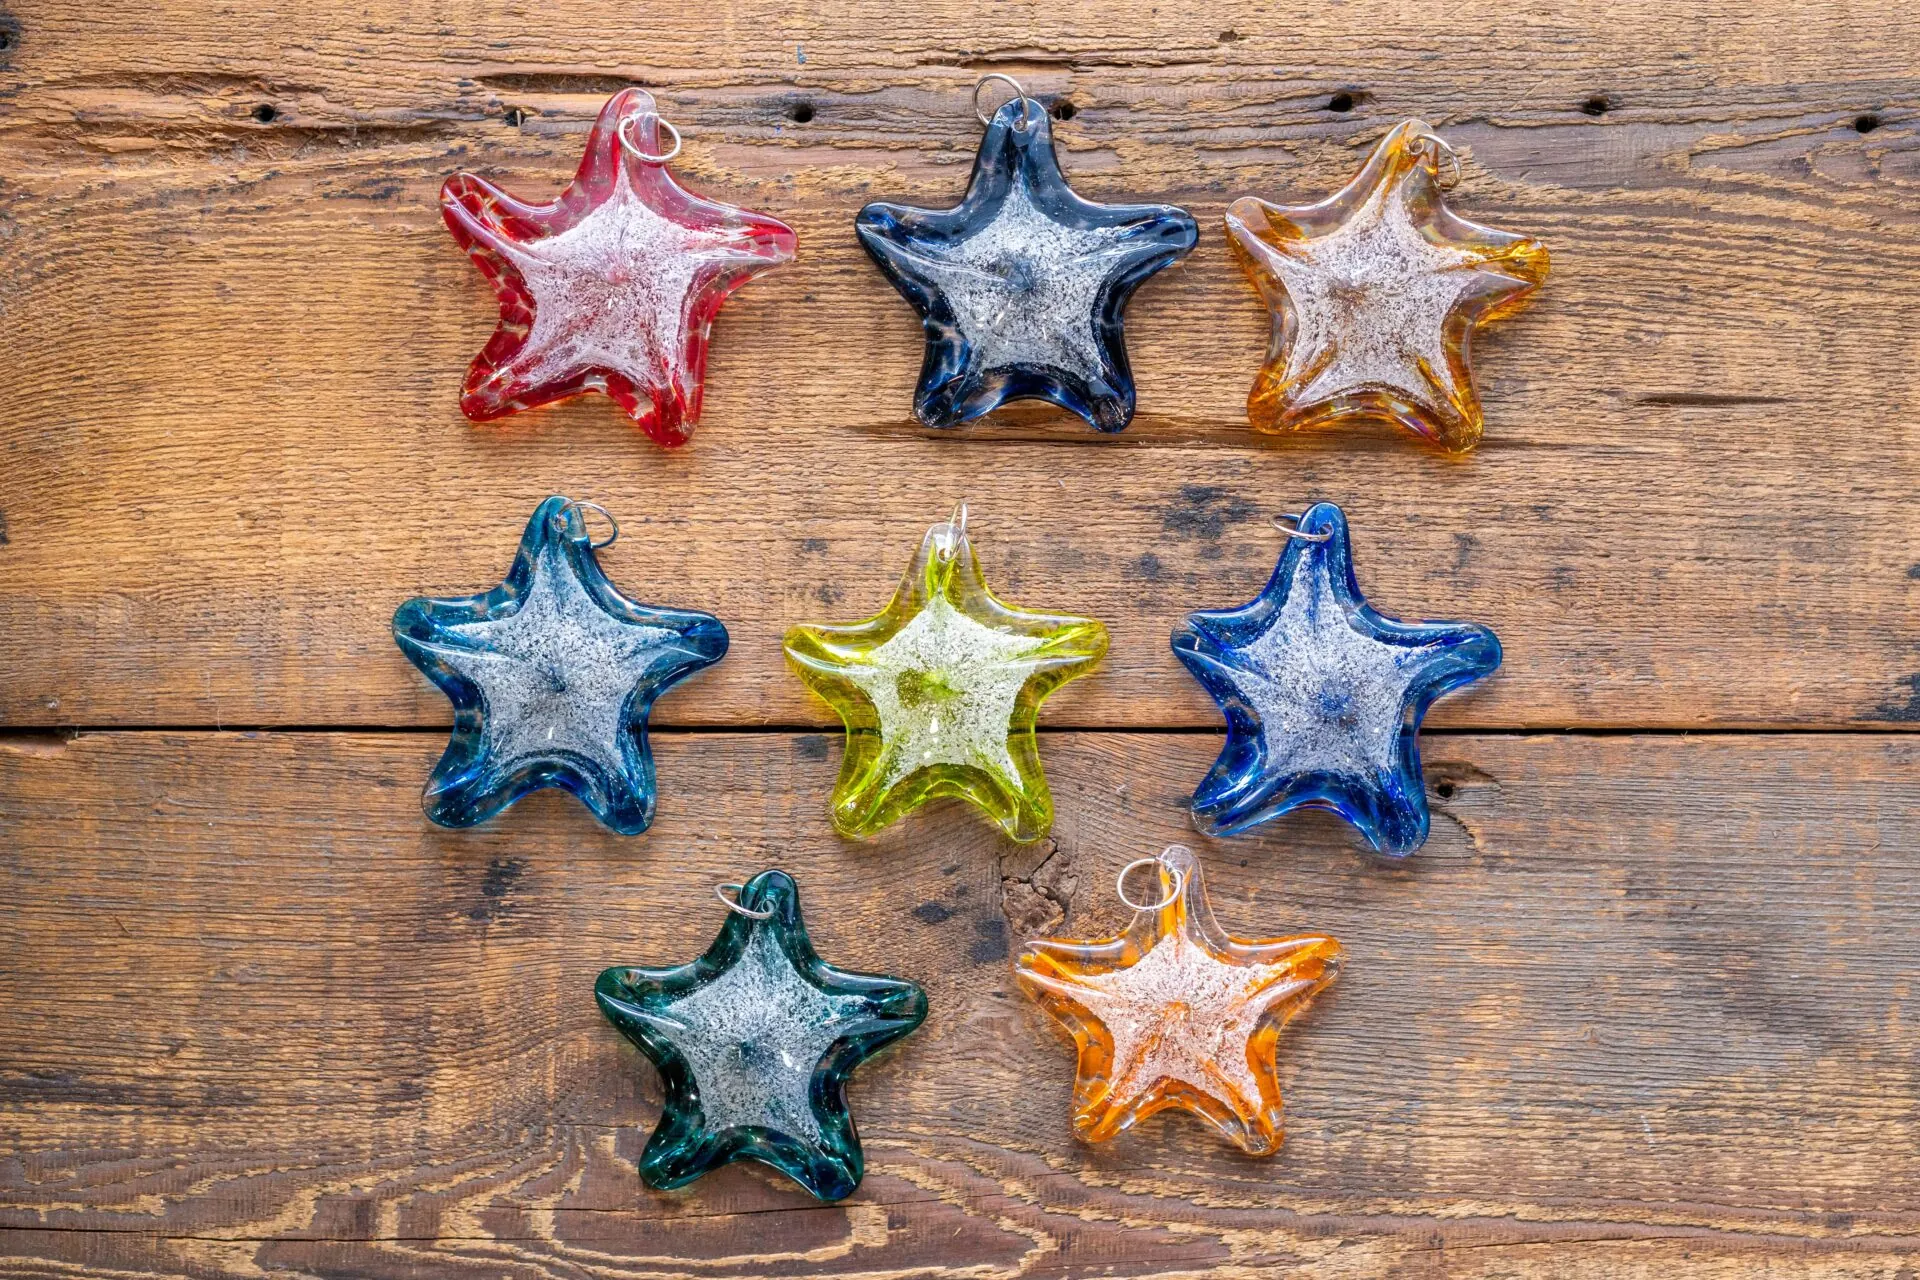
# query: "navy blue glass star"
{"points": [[551, 675], [1022, 285], [754, 1042], [1323, 695]]}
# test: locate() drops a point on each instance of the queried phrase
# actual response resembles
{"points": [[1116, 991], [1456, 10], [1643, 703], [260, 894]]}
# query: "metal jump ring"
{"points": [[733, 902], [1442, 147], [1158, 860], [1292, 528], [632, 148], [594, 506], [1019, 92]]}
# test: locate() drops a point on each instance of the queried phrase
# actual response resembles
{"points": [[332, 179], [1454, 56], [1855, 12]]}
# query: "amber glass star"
{"points": [[612, 287], [940, 692], [1175, 1013], [1375, 294]]}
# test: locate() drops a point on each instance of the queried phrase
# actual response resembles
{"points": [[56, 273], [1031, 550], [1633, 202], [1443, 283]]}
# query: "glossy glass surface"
{"points": [[1376, 293], [1176, 1013], [1022, 286], [613, 286], [551, 675], [754, 1042], [940, 693], [1324, 696]]}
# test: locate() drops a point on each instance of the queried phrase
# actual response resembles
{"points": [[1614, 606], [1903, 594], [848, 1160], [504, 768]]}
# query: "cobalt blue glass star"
{"points": [[1324, 696], [754, 1042], [1022, 285], [551, 675]]}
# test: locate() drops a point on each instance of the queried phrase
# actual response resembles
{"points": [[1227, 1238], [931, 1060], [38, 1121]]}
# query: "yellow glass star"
{"points": [[1176, 1013], [940, 692], [1376, 293]]}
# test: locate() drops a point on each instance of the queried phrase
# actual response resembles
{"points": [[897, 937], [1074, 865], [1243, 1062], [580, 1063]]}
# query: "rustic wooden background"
{"points": [[1639, 1009]]}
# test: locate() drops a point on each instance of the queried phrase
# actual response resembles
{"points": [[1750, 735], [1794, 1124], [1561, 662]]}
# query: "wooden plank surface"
{"points": [[1639, 1009], [232, 443]]}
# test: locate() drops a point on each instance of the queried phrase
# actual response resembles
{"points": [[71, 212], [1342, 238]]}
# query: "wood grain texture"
{"points": [[1639, 1009], [234, 348]]}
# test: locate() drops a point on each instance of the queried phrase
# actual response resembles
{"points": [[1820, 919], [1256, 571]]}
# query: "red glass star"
{"points": [[612, 287]]}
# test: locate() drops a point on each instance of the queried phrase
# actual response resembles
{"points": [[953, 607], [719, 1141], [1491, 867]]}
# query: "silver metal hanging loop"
{"points": [[1158, 860], [1441, 147], [583, 508], [1289, 523], [633, 148], [1019, 93], [730, 894]]}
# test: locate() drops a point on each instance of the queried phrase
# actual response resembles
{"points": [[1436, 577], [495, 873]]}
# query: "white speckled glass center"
{"points": [[945, 687], [753, 1037], [557, 672], [609, 292], [1180, 1013], [1024, 287], [1372, 298], [1330, 698]]}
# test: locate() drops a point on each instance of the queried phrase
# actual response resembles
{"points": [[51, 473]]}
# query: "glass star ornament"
{"points": [[551, 675], [940, 692], [754, 1042], [1323, 695], [1376, 293], [611, 287], [1175, 1012], [1022, 286]]}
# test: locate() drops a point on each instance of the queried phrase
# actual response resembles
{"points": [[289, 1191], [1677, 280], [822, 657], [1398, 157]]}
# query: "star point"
{"points": [[611, 287], [1323, 695], [551, 675], [754, 1042], [1022, 287], [1376, 293], [940, 693], [1175, 1012]]}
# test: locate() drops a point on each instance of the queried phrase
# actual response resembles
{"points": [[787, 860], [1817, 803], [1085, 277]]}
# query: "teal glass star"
{"points": [[754, 1042], [551, 675], [1324, 695]]}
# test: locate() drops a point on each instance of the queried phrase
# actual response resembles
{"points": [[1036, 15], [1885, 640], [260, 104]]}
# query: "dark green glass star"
{"points": [[754, 1042]]}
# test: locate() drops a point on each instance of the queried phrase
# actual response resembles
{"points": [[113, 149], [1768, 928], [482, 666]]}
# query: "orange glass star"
{"points": [[1376, 293], [1176, 1013], [614, 285]]}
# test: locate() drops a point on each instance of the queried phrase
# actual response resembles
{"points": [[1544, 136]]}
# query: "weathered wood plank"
{"points": [[232, 444], [1639, 1009]]}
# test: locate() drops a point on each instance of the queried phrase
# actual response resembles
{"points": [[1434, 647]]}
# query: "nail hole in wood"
{"points": [[800, 112], [1866, 124], [265, 113], [6, 40], [515, 117], [1598, 105], [1064, 109], [1229, 36], [1340, 102], [1445, 790]]}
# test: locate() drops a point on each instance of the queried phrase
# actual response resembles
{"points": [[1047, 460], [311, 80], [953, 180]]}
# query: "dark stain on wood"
{"points": [[501, 876], [1903, 712], [1202, 512]]}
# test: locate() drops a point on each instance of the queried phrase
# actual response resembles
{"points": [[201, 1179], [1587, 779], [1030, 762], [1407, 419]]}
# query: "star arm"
{"points": [[904, 259], [1439, 657], [484, 220], [699, 640], [1280, 990]]}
